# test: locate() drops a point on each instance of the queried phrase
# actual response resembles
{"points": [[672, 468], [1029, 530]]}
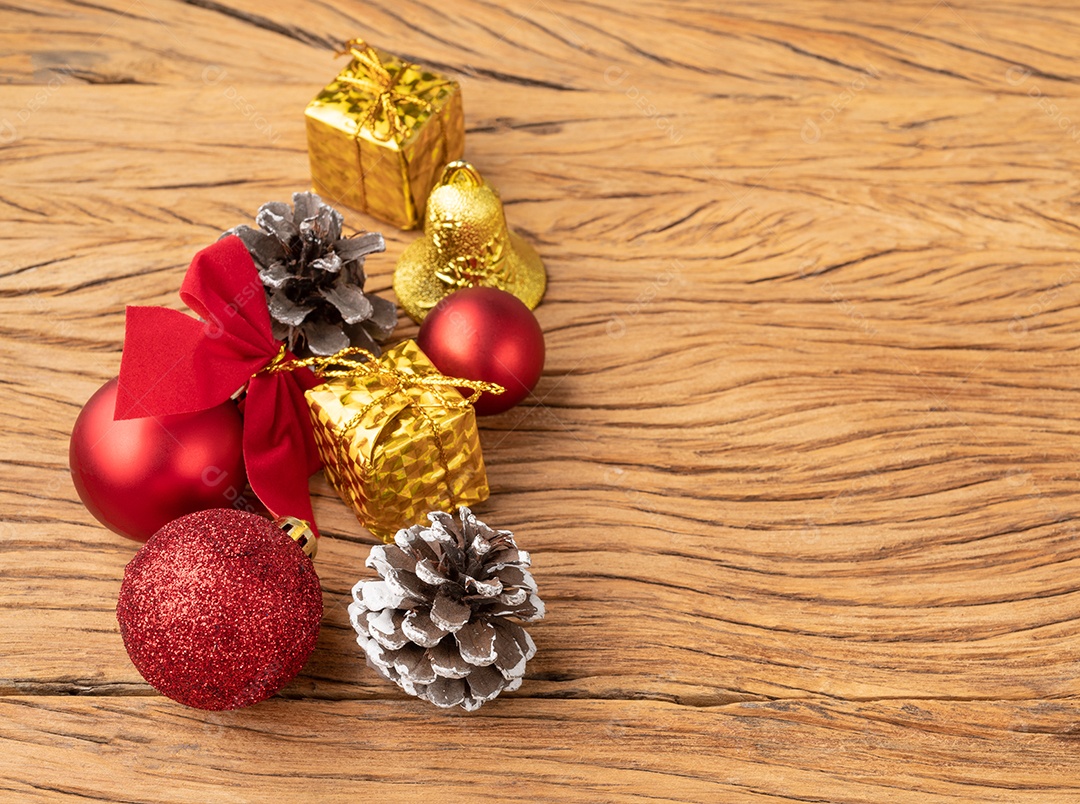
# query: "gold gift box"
{"points": [[395, 449], [380, 134]]}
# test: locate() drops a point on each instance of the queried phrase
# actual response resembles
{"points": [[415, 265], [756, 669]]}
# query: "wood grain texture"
{"points": [[799, 478]]}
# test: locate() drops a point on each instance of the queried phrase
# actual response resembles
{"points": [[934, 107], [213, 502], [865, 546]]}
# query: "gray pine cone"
{"points": [[314, 278], [436, 624]]}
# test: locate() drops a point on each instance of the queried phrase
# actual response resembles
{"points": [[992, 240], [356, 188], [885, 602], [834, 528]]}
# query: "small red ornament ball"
{"points": [[220, 609], [486, 334], [136, 475]]}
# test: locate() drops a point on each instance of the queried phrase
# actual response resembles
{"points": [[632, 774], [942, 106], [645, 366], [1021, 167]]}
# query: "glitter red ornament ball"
{"points": [[220, 609], [138, 474], [486, 334]]}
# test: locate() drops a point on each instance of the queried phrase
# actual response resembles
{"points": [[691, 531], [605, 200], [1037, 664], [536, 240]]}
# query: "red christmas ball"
{"points": [[136, 475], [220, 609], [486, 334]]}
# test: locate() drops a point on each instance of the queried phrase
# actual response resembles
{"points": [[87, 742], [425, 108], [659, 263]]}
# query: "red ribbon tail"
{"points": [[279, 447]]}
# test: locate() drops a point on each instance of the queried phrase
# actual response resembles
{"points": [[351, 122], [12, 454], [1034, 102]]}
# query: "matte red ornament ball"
{"points": [[220, 609], [486, 334], [136, 475]]}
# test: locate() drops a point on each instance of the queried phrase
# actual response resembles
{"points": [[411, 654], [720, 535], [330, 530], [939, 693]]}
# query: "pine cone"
{"points": [[436, 624], [314, 278]]}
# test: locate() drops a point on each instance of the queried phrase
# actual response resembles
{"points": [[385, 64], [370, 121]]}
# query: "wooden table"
{"points": [[799, 478]]}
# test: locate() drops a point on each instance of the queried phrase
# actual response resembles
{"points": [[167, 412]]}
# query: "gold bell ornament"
{"points": [[466, 243]]}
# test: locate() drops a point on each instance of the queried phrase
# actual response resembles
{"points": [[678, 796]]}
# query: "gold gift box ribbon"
{"points": [[392, 85]]}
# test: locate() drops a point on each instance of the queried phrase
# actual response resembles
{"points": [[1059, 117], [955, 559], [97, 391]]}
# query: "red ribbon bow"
{"points": [[173, 363]]}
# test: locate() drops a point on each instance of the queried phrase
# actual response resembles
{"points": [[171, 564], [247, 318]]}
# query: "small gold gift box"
{"points": [[380, 134], [398, 440]]}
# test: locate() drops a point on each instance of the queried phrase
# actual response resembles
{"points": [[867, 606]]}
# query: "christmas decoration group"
{"points": [[204, 445]]}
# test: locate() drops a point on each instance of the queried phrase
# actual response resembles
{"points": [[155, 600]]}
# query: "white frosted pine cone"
{"points": [[437, 622]]}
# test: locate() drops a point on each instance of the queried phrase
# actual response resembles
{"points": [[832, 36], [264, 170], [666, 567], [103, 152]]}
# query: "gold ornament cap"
{"points": [[300, 531], [466, 243]]}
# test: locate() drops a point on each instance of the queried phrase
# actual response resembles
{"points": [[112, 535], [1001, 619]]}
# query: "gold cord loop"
{"points": [[352, 366]]}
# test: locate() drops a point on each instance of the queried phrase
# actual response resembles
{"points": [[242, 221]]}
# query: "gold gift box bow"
{"points": [[385, 101], [400, 394], [402, 94]]}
